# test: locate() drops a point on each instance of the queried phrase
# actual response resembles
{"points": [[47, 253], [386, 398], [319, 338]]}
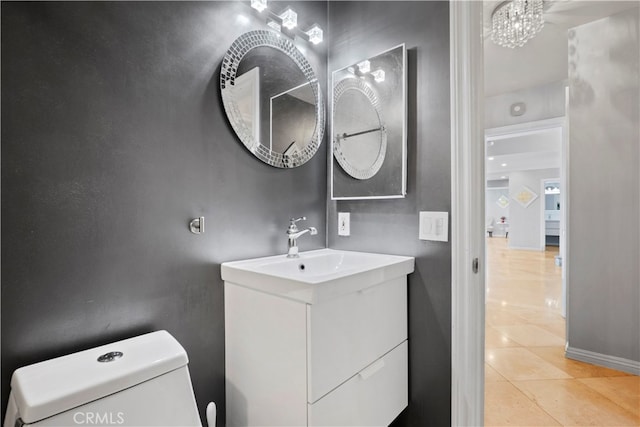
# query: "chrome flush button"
{"points": [[110, 357]]}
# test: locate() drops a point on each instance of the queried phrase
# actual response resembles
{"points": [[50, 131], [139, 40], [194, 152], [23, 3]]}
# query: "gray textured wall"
{"points": [[113, 138], [604, 193], [363, 29]]}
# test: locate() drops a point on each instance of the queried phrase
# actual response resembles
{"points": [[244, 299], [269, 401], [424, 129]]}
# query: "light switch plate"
{"points": [[434, 226], [344, 226]]}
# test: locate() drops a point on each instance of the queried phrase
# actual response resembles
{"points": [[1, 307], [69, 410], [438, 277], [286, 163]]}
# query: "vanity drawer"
{"points": [[346, 334], [373, 397]]}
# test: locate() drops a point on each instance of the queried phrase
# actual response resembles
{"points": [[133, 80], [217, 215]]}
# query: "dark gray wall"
{"points": [[360, 30], [113, 138], [603, 292]]}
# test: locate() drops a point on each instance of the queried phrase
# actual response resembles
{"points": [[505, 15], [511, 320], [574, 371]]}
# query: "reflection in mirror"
{"points": [[369, 128], [360, 144], [247, 95], [293, 116], [272, 99]]}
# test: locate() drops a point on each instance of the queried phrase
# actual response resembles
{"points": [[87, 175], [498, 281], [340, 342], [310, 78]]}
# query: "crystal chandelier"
{"points": [[516, 21]]}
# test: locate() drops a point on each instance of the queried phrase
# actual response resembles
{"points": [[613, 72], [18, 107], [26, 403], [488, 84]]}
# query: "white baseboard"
{"points": [[613, 362]]}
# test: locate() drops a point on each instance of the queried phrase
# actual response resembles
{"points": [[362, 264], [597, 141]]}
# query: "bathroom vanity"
{"points": [[317, 340]]}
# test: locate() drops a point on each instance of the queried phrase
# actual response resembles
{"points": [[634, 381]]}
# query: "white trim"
{"points": [[397, 196], [613, 362], [405, 133], [522, 129], [565, 209], [467, 213], [543, 219]]}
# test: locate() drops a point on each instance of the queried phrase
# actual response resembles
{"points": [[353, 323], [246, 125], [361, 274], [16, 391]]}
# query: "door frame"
{"points": [[543, 210], [467, 213]]}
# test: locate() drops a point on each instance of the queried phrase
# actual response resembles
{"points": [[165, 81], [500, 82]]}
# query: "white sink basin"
{"points": [[316, 275]]}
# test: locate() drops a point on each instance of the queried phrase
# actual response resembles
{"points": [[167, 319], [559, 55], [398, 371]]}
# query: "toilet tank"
{"points": [[141, 381]]}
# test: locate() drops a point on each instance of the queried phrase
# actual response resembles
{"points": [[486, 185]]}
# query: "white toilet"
{"points": [[141, 381]]}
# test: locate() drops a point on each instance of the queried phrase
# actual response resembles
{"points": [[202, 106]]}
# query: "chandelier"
{"points": [[516, 21]]}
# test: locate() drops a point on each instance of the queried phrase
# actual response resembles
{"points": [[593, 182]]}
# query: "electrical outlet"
{"points": [[434, 226], [344, 226]]}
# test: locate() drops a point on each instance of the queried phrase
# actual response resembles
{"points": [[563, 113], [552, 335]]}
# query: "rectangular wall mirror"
{"points": [[369, 128]]}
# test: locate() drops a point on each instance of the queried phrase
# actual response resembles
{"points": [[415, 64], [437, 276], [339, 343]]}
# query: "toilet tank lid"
{"points": [[48, 388]]}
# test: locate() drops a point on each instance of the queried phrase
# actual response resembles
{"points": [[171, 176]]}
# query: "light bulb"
{"points": [[289, 18], [378, 75], [364, 66], [274, 25], [315, 34], [259, 5]]}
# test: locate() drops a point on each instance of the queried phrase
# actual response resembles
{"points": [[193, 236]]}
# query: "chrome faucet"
{"points": [[293, 233]]}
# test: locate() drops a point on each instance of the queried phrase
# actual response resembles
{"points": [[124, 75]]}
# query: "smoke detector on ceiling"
{"points": [[518, 109]]}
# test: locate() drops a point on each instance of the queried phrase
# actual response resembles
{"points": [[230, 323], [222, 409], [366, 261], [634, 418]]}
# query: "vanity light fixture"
{"points": [[551, 190], [259, 5], [273, 24], [315, 34], [378, 75], [289, 18], [364, 67]]}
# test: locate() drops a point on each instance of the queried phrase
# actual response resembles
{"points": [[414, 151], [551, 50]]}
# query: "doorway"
{"points": [[551, 214], [519, 160], [468, 106], [524, 325]]}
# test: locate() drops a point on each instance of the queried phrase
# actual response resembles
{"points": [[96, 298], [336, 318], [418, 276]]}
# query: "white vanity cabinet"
{"points": [[341, 361]]}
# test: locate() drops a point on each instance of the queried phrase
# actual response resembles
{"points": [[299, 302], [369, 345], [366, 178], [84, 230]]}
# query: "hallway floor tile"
{"points": [[528, 379]]}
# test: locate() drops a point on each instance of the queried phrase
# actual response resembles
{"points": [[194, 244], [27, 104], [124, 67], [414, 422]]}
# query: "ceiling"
{"points": [[535, 150], [544, 58]]}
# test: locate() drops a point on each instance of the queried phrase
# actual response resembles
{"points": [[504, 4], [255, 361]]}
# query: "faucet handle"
{"points": [[293, 228]]}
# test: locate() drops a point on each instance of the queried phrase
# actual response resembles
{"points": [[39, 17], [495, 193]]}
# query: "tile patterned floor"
{"points": [[528, 381]]}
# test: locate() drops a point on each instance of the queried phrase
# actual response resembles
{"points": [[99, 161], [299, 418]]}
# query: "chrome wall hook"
{"points": [[197, 225]]}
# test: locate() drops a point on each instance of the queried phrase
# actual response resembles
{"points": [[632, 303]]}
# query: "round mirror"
{"points": [[360, 137], [272, 98]]}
